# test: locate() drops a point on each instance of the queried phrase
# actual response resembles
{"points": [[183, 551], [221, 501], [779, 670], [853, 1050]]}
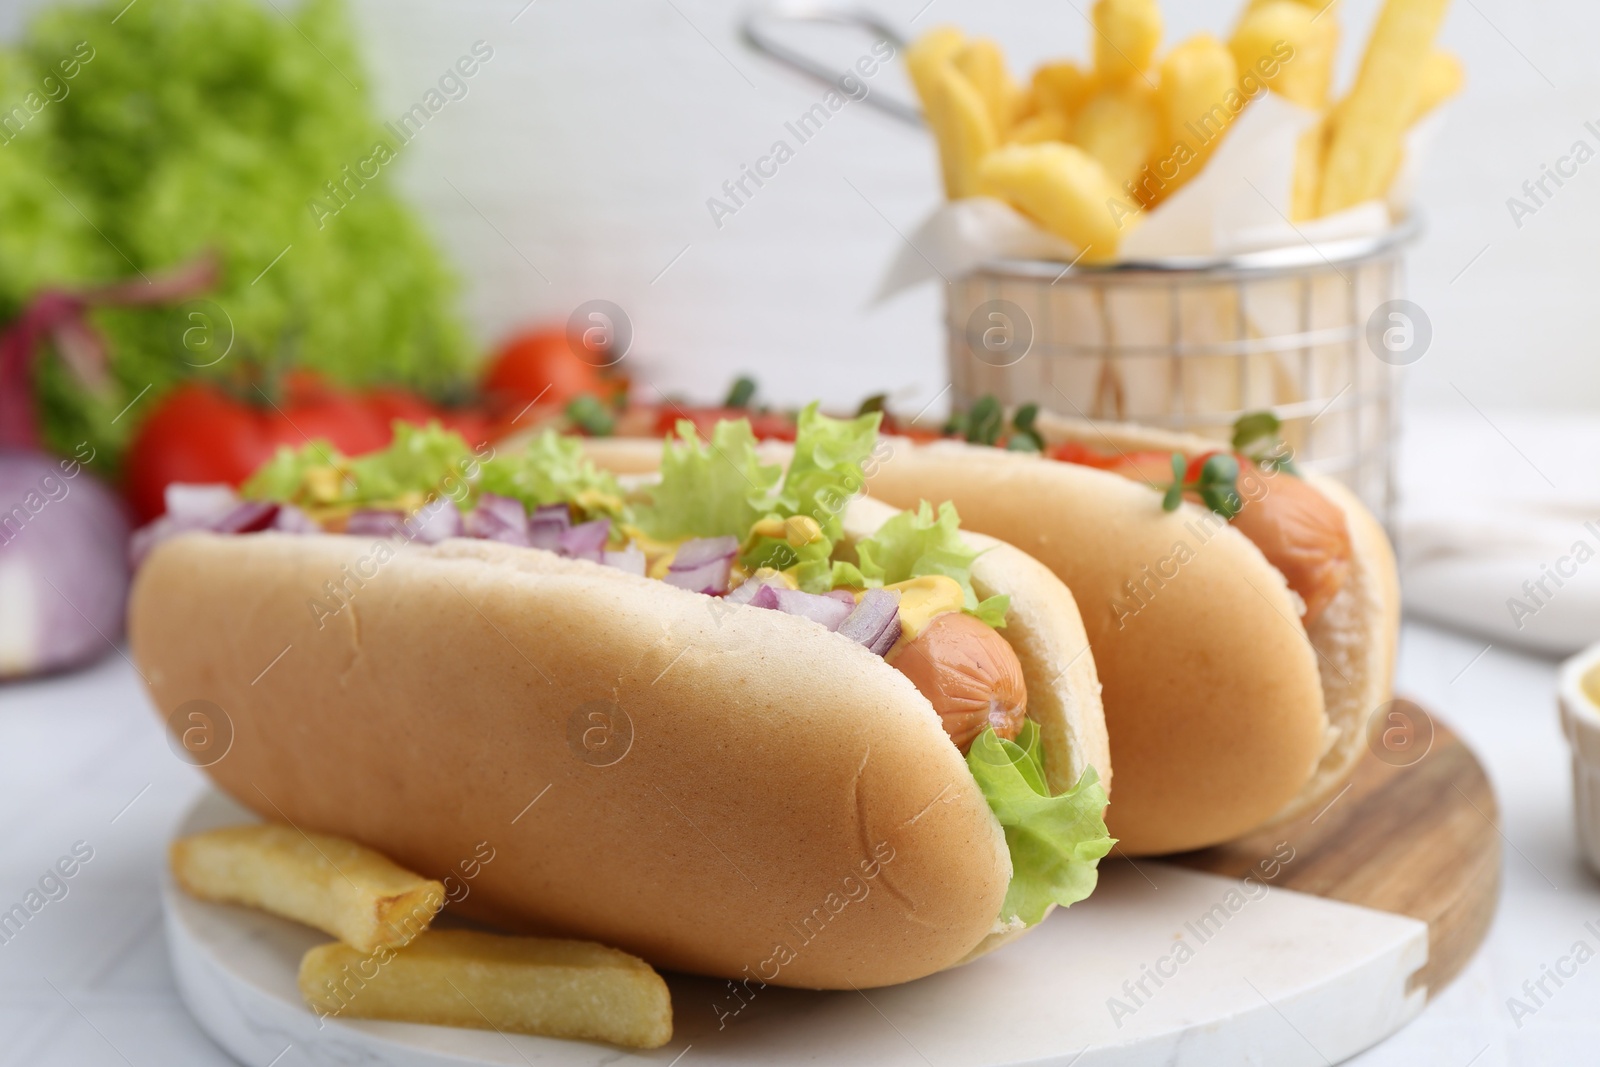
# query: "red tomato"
{"points": [[541, 365], [766, 425]]}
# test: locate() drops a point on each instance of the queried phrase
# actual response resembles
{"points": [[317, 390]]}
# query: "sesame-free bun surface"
{"points": [[769, 800], [1224, 714]]}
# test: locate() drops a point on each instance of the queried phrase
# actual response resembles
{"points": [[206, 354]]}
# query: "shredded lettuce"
{"points": [[283, 477], [915, 543], [421, 460], [710, 488], [554, 470], [1055, 842], [826, 472]]}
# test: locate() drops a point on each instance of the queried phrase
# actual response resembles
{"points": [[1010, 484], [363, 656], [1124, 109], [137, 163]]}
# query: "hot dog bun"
{"points": [[785, 802], [1224, 713]]}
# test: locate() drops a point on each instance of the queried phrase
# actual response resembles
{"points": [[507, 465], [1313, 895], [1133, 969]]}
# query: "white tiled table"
{"points": [[86, 981]]}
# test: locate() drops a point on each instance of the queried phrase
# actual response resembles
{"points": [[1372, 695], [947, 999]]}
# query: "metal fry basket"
{"points": [[1192, 344]]}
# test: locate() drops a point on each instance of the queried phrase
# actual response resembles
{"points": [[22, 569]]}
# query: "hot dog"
{"points": [[816, 691], [1242, 613]]}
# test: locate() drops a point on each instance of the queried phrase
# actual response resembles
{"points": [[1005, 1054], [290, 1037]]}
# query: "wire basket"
{"points": [[1192, 344]]}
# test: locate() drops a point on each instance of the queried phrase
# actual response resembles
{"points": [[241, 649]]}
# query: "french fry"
{"points": [[1048, 125], [1364, 143], [1063, 87], [985, 67], [1121, 127], [335, 885], [930, 52], [962, 127], [1199, 98], [1066, 190], [525, 985], [1308, 155], [1126, 34], [1288, 47], [1442, 78]]}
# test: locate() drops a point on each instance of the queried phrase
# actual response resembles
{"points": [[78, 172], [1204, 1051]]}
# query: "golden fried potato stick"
{"points": [[525, 985], [962, 125], [1044, 126], [1063, 87], [1126, 35], [929, 52], [1442, 78], [1121, 127], [1066, 190], [1308, 155], [963, 128], [985, 67], [1364, 144], [335, 885], [1290, 48], [1199, 98]]}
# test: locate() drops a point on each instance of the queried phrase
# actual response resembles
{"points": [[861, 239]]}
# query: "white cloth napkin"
{"points": [[1500, 525]]}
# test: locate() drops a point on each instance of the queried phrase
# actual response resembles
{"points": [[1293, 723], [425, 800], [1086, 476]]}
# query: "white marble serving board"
{"points": [[1282, 979]]}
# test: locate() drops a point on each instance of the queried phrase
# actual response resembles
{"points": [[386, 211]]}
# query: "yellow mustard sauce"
{"points": [[921, 601]]}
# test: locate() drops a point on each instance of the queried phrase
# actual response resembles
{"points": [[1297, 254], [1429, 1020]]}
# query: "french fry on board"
{"points": [[984, 65], [525, 985], [1364, 144], [1126, 35], [1199, 98], [1066, 190], [1121, 127], [335, 885], [1289, 48]]}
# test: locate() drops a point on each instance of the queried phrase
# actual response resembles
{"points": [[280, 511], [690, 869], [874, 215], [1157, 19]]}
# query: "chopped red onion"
{"points": [[201, 505], [747, 590], [875, 622], [630, 559], [843, 596], [291, 519], [699, 551], [586, 540], [249, 516], [826, 610], [498, 518], [547, 524], [765, 597], [711, 578], [376, 522], [435, 521]]}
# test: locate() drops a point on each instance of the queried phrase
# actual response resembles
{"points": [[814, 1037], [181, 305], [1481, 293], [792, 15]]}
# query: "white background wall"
{"points": [[580, 163]]}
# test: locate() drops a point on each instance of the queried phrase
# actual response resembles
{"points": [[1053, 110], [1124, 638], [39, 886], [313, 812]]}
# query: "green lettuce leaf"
{"points": [[282, 478], [554, 470], [710, 488], [1056, 842], [915, 543], [826, 473], [423, 460]]}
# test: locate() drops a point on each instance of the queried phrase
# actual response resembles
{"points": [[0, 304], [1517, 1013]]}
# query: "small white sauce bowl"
{"points": [[1580, 721]]}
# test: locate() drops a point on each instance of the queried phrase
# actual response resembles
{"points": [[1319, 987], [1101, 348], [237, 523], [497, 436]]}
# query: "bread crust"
{"points": [[787, 809]]}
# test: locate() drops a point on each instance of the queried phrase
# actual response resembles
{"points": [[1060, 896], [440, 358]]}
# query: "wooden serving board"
{"points": [[1415, 833], [1302, 945]]}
